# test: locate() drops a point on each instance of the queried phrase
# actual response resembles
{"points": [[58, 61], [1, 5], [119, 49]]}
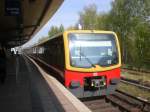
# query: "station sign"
{"points": [[12, 7]]}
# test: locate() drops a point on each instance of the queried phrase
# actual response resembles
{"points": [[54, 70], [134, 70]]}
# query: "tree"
{"points": [[55, 30], [88, 17], [124, 17], [61, 28], [72, 27], [142, 45]]}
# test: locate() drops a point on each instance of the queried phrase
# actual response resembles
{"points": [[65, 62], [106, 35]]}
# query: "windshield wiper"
{"points": [[82, 54]]}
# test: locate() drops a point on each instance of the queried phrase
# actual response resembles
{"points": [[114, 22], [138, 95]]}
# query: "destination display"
{"points": [[12, 8]]}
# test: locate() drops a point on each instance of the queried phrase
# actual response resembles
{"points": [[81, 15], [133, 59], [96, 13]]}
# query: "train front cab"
{"points": [[89, 72]]}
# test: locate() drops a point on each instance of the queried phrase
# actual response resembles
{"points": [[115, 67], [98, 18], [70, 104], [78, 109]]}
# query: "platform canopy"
{"points": [[20, 20]]}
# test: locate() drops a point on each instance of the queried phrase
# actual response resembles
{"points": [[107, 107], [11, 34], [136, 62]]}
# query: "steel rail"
{"points": [[136, 84]]}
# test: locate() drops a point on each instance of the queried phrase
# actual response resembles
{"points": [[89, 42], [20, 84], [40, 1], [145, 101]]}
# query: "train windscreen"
{"points": [[90, 49]]}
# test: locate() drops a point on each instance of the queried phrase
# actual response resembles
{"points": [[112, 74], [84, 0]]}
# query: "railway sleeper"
{"points": [[139, 103], [122, 105], [100, 106], [110, 109], [100, 101], [128, 100]]}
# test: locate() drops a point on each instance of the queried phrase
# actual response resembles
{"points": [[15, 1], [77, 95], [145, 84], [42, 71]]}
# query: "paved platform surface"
{"points": [[15, 92], [26, 90]]}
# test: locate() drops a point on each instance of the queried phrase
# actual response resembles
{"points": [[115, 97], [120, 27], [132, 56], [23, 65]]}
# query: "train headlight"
{"points": [[92, 84], [104, 83]]}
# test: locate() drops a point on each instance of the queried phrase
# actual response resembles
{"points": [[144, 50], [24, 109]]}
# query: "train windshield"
{"points": [[88, 50]]}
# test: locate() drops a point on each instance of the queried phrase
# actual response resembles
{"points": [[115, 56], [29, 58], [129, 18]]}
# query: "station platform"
{"points": [[28, 88]]}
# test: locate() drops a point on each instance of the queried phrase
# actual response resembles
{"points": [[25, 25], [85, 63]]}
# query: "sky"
{"points": [[68, 15]]}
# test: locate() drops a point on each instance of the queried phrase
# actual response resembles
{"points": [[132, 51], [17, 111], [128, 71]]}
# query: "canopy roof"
{"points": [[21, 19]]}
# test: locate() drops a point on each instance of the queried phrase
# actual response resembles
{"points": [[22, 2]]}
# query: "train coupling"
{"points": [[97, 83]]}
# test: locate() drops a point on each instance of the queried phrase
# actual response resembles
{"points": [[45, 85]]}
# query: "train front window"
{"points": [[88, 50]]}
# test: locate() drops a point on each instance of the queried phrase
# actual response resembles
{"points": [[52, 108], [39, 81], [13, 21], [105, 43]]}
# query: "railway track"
{"points": [[142, 85], [118, 102], [135, 71], [138, 83], [100, 105]]}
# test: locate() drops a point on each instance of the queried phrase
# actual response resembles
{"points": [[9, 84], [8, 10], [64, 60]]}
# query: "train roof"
{"points": [[73, 31], [88, 31], [49, 38]]}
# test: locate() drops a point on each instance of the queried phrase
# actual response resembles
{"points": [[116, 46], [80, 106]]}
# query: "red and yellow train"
{"points": [[87, 61]]}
